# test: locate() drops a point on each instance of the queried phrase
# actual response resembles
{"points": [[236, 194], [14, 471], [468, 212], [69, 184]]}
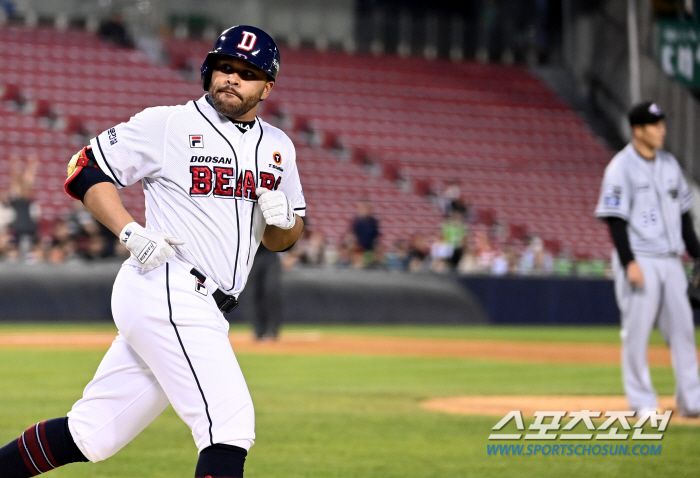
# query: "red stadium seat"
{"points": [[510, 143]]}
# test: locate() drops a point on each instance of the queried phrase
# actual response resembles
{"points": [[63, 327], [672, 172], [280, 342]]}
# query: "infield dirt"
{"points": [[317, 343]]}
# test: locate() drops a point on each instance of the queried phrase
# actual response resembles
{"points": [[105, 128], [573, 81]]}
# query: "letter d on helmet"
{"points": [[248, 43]]}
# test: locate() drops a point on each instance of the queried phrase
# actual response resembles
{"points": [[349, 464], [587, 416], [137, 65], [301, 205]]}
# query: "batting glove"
{"points": [[151, 248], [276, 208]]}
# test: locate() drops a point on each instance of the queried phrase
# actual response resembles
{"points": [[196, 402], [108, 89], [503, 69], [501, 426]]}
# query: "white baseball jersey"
{"points": [[651, 196], [199, 175]]}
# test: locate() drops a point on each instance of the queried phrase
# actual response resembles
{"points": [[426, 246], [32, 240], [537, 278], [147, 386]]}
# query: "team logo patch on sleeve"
{"points": [[196, 141], [612, 198]]}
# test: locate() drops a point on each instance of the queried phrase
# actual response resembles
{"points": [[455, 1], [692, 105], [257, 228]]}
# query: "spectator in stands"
{"points": [[451, 200], [454, 231], [11, 253], [418, 251], [505, 260], [95, 247], [440, 255], [330, 253], [308, 250], [7, 217], [348, 246], [498, 233], [26, 210], [360, 259], [468, 263], [92, 240], [563, 265], [114, 31], [483, 251], [500, 263], [365, 227], [313, 251], [396, 259], [62, 247], [536, 259]]}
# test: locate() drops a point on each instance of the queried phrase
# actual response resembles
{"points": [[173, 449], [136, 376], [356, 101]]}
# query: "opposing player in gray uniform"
{"points": [[646, 203]]}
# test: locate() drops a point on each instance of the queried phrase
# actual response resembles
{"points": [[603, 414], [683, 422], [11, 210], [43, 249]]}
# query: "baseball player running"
{"points": [[218, 181], [646, 203]]}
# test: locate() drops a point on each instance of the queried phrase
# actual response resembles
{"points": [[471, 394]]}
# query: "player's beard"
{"points": [[232, 110]]}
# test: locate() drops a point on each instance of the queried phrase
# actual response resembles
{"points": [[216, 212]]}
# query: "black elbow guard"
{"points": [[83, 173]]}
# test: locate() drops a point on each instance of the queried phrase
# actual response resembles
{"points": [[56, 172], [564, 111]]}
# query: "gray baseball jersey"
{"points": [[199, 175], [651, 196]]}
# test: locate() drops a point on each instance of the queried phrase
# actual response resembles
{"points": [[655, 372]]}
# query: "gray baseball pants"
{"points": [[662, 301]]}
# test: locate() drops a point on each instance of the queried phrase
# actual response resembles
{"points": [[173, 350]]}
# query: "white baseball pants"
{"points": [[172, 347], [663, 301]]}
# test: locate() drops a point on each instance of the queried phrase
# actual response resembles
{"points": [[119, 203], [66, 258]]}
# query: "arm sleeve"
{"points": [[691, 240], [87, 178], [615, 199], [618, 232], [133, 150], [290, 185]]}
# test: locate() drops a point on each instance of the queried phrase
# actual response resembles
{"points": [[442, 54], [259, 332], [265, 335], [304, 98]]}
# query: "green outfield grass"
{"points": [[351, 416], [592, 334]]}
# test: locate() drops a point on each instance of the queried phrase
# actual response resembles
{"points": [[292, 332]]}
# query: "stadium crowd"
{"points": [[460, 246]]}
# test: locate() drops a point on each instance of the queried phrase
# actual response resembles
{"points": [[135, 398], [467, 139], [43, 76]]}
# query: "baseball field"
{"points": [[377, 402]]}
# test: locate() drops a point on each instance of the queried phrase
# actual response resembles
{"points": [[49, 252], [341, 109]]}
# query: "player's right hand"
{"points": [[150, 248], [635, 276], [276, 208]]}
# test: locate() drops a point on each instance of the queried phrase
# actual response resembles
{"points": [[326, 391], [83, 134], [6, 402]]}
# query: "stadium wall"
{"points": [[322, 22], [81, 293], [545, 300]]}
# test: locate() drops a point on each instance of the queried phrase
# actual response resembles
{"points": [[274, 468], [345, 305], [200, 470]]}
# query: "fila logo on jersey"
{"points": [[248, 41], [223, 182], [200, 287], [196, 141]]}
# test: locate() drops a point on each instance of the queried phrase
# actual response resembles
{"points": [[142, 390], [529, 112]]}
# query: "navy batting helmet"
{"points": [[248, 43]]}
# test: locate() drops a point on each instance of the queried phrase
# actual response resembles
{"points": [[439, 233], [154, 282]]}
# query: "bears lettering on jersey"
{"points": [[224, 183], [201, 181], [249, 185], [267, 181], [223, 188]]}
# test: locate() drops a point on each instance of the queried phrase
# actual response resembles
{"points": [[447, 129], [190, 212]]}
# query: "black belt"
{"points": [[226, 303]]}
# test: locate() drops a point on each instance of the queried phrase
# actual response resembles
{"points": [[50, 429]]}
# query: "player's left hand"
{"points": [[150, 248], [276, 208]]}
